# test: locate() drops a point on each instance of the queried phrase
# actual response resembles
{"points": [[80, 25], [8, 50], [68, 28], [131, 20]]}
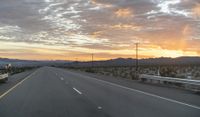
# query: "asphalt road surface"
{"points": [[53, 92]]}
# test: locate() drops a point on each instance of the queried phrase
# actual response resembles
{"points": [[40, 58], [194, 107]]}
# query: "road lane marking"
{"points": [[99, 107], [4, 94], [77, 91], [61, 78], [142, 92]]}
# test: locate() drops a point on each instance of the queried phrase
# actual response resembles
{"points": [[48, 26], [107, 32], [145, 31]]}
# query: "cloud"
{"points": [[126, 27], [196, 10], [100, 4], [9, 29], [106, 26], [124, 13]]}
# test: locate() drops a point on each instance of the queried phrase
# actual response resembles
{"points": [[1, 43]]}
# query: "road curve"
{"points": [[53, 92]]}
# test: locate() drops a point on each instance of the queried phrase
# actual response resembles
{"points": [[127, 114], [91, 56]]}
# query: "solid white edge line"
{"points": [[142, 92], [77, 91], [4, 94]]}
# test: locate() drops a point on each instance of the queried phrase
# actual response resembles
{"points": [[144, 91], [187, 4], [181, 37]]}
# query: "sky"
{"points": [[73, 29]]}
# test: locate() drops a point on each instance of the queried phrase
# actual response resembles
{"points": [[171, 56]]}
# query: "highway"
{"points": [[55, 92]]}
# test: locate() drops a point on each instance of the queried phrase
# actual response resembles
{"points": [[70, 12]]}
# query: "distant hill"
{"points": [[112, 62], [31, 63], [148, 61]]}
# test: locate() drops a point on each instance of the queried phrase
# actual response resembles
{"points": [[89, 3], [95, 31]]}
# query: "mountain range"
{"points": [[146, 61], [112, 62], [30, 63]]}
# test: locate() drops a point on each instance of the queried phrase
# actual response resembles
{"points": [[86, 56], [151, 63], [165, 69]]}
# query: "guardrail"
{"points": [[187, 83], [4, 77]]}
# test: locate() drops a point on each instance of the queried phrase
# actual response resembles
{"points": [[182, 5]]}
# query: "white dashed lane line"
{"points": [[77, 91], [61, 78], [99, 107]]}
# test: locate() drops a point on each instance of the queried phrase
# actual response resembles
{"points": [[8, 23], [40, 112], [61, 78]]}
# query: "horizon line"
{"points": [[96, 60]]}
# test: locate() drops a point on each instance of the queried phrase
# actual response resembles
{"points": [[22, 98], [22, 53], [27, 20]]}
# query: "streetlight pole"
{"points": [[137, 62]]}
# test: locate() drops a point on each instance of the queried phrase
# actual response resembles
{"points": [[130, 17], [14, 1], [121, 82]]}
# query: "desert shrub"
{"points": [[168, 72]]}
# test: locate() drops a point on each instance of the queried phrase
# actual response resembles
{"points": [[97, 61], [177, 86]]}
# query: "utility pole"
{"points": [[76, 62], [92, 61], [137, 62]]}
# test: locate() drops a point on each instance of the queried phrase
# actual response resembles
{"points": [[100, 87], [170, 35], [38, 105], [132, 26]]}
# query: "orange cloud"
{"points": [[125, 27], [196, 10], [124, 13], [187, 30], [100, 4], [168, 40], [96, 34]]}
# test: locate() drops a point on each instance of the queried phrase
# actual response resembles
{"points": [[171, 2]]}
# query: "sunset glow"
{"points": [[73, 29]]}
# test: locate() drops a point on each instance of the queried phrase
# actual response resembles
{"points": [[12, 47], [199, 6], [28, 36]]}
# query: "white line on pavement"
{"points": [[138, 91], [77, 91], [99, 107], [4, 94]]}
